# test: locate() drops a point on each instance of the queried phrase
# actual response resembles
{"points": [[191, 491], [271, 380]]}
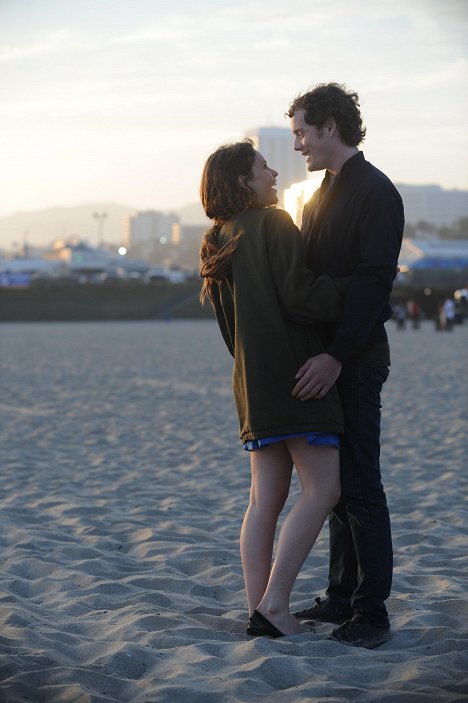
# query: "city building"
{"points": [[77, 256], [442, 254], [20, 271], [183, 234], [85, 262], [146, 232], [276, 145], [433, 204], [183, 250]]}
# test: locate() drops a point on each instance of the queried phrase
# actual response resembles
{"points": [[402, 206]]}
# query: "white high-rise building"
{"points": [[431, 203], [276, 145]]}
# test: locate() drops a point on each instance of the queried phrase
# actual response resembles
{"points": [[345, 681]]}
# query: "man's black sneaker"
{"points": [[361, 634], [324, 611]]}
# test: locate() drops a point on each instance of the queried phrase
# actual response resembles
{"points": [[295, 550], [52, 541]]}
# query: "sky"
{"points": [[123, 100]]}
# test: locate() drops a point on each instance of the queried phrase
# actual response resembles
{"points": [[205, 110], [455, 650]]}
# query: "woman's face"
{"points": [[261, 181]]}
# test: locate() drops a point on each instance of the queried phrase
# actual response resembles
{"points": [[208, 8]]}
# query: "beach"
{"points": [[122, 490]]}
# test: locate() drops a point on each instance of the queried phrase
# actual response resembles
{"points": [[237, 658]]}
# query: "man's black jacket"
{"points": [[354, 226]]}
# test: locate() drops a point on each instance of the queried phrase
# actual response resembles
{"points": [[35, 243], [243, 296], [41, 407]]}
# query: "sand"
{"points": [[122, 490]]}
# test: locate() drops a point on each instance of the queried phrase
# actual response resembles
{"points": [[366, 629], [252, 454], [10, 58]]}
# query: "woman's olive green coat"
{"points": [[266, 311]]}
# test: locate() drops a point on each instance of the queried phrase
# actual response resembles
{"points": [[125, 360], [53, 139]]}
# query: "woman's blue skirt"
{"points": [[313, 438]]}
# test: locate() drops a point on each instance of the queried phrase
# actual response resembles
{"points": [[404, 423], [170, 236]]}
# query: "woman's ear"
{"points": [[242, 181]]}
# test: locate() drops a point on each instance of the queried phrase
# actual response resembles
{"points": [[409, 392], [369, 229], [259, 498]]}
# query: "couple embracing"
{"points": [[303, 313]]}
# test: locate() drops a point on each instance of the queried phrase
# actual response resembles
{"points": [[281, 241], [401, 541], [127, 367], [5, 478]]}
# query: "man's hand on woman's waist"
{"points": [[316, 377]]}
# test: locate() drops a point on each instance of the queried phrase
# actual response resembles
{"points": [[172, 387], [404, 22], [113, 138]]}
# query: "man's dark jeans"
{"points": [[361, 558]]}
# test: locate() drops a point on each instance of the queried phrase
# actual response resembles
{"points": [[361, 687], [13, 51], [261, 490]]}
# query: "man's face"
{"points": [[311, 142]]}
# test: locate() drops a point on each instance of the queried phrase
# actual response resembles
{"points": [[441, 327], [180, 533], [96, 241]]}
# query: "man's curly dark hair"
{"points": [[332, 100]]}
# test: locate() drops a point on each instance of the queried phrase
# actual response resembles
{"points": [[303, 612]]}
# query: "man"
{"points": [[353, 225], [448, 309]]}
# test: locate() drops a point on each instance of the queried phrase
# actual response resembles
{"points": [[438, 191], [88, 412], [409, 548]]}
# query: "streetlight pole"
{"points": [[100, 217]]}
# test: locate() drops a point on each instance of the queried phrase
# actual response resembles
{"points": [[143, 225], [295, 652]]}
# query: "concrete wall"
{"points": [[129, 301]]}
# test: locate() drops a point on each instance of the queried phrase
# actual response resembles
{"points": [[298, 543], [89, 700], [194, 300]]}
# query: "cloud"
{"points": [[129, 85], [173, 29], [52, 43]]}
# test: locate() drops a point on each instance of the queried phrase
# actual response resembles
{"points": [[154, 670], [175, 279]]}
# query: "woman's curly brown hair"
{"points": [[222, 198], [332, 100]]}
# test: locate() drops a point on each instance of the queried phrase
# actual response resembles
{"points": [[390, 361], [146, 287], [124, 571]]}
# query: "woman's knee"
{"points": [[328, 493], [271, 502]]}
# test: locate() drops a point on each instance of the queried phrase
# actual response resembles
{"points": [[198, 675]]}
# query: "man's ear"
{"points": [[330, 127]]}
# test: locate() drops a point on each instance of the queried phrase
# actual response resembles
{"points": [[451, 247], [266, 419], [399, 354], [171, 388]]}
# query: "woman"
{"points": [[266, 301]]}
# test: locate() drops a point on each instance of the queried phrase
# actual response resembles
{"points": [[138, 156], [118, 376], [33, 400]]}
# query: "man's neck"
{"points": [[340, 158]]}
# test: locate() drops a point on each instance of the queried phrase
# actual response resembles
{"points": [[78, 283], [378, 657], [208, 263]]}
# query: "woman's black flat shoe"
{"points": [[259, 626]]}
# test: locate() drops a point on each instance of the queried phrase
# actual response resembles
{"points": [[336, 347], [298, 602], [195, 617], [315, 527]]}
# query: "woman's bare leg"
{"points": [[319, 473], [271, 477]]}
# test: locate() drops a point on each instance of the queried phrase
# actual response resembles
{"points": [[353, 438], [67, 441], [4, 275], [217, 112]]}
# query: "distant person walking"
{"points": [[263, 294], [414, 313], [400, 316], [352, 225], [448, 309]]}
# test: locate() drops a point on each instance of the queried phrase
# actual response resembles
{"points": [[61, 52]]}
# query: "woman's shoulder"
{"points": [[266, 215], [271, 223]]}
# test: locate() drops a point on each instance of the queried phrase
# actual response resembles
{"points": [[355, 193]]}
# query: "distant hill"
{"points": [[41, 227]]}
